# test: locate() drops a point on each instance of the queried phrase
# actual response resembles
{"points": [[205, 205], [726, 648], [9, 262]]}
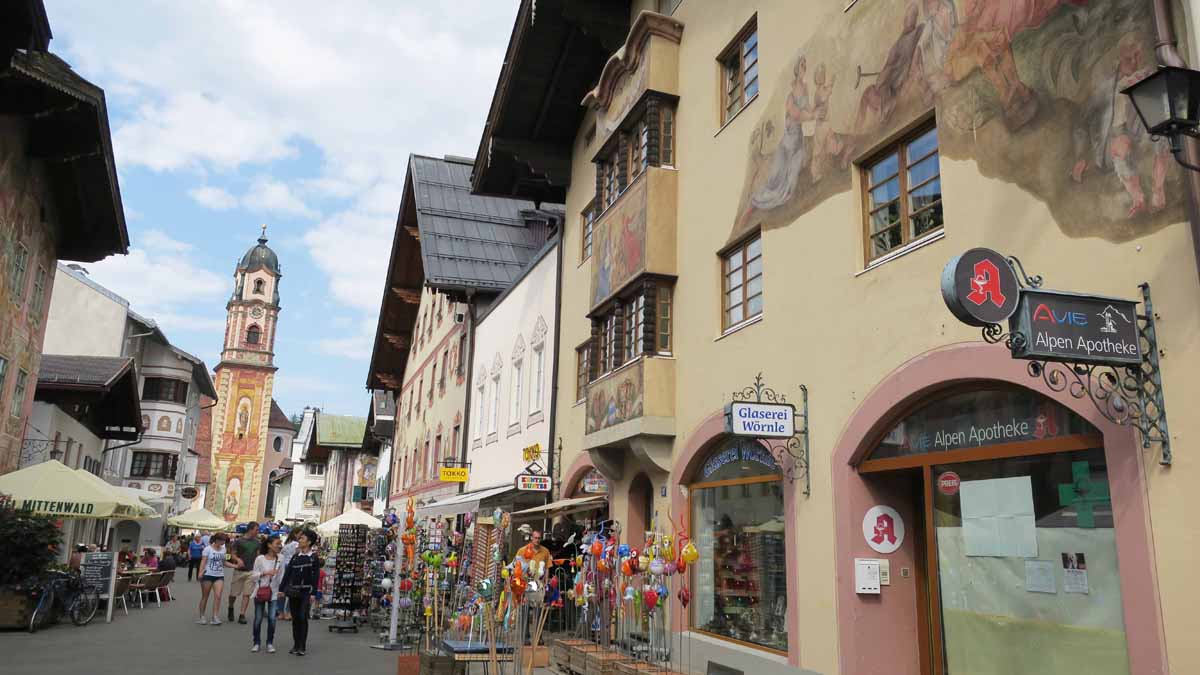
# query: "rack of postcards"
{"points": [[379, 574], [350, 572]]}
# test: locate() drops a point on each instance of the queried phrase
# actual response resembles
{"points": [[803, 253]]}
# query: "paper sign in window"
{"points": [[997, 517]]}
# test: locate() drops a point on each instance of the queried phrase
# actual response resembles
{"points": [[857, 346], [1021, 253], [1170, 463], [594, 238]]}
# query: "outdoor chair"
{"points": [[148, 584], [119, 592], [168, 577]]}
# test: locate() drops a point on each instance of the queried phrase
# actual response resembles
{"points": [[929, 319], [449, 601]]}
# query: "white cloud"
{"points": [[273, 196], [157, 240], [215, 198], [352, 247]]}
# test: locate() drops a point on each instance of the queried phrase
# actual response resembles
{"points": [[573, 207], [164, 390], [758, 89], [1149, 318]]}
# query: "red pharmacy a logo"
{"points": [[985, 284], [885, 528]]}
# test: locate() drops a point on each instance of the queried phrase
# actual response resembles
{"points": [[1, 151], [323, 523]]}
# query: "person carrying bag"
{"points": [[266, 576], [300, 579]]}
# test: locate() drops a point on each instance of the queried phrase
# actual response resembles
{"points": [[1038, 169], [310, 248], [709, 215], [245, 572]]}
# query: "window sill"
{"points": [[738, 327], [903, 251], [735, 115], [514, 429], [535, 418], [492, 438], [477, 443]]}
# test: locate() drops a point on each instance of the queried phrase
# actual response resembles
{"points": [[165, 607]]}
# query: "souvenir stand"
{"points": [[350, 572]]}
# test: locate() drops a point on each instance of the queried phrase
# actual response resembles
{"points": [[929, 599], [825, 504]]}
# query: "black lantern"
{"points": [[1168, 101]]}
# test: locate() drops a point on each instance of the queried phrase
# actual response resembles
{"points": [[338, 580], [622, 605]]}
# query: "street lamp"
{"points": [[1168, 101]]}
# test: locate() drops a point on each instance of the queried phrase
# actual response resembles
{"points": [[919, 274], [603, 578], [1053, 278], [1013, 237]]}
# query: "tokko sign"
{"points": [[980, 287], [761, 420], [1060, 326]]}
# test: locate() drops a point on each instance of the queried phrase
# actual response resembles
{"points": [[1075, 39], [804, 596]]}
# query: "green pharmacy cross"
{"points": [[1083, 494]]}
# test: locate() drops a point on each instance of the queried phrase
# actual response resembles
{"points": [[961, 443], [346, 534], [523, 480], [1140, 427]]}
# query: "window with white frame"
{"points": [[514, 413], [539, 378], [495, 411], [479, 406]]}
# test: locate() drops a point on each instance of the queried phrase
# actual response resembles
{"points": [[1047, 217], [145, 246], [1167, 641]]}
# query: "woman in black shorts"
{"points": [[212, 577]]}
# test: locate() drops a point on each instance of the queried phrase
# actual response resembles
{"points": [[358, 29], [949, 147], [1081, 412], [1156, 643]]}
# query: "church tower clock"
{"points": [[245, 378]]}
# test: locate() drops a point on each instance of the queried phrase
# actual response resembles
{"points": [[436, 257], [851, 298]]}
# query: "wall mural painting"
{"points": [[1015, 84], [615, 399], [239, 454], [164, 423], [367, 467], [620, 240]]}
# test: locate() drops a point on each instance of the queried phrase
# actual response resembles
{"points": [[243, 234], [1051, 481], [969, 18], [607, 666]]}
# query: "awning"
{"points": [[461, 503], [50, 488], [564, 506]]}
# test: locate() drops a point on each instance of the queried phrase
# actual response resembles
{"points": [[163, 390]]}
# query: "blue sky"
{"points": [[226, 115]]}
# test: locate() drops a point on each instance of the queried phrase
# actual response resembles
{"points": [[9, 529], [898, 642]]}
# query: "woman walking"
{"points": [[266, 575], [212, 579], [300, 579]]}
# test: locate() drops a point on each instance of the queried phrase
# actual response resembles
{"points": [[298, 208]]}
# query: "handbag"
{"points": [[263, 593]]}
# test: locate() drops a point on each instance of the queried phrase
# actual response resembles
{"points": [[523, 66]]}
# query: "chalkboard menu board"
{"points": [[99, 571]]}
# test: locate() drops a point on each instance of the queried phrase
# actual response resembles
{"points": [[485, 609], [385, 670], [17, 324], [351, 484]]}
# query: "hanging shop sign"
{"points": [[453, 474], [883, 528], [1059, 326], [595, 483], [532, 483], [531, 453], [761, 420], [980, 287]]}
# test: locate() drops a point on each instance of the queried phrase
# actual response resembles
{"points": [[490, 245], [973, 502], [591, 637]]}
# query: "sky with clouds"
{"points": [[300, 115]]}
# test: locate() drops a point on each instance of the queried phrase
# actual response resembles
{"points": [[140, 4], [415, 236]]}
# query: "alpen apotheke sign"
{"points": [[761, 420], [1060, 326]]}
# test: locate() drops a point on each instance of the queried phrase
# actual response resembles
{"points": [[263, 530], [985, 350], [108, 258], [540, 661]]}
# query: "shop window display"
{"points": [[739, 582]]}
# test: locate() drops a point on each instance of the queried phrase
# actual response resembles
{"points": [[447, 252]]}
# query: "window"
{"points": [[432, 380], [662, 331], [445, 368], [539, 377], [495, 413], [259, 286], [482, 412], [737, 521], [314, 469], [312, 499], [666, 139], [462, 354], [437, 449], [453, 447], [39, 291], [426, 461], [277, 444], [19, 392], [153, 465], [164, 389], [608, 344], [904, 194], [253, 335], [742, 283], [3, 374], [635, 310], [583, 373], [16, 273], [639, 139], [417, 393], [588, 219], [610, 180], [739, 70], [514, 412]]}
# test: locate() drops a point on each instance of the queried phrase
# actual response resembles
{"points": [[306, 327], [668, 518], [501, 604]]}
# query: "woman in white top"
{"points": [[212, 576], [266, 575]]}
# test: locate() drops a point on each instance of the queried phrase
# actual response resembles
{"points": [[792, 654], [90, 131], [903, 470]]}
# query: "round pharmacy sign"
{"points": [[883, 528]]}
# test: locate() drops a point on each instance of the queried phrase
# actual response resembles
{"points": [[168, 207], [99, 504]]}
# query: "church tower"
{"points": [[245, 378]]}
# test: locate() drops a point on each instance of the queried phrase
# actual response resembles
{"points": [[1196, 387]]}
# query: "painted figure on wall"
{"points": [[243, 417], [1009, 83], [620, 237], [614, 400], [233, 499]]}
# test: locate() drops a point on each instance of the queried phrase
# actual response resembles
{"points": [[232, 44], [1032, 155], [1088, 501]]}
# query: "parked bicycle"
{"points": [[64, 594]]}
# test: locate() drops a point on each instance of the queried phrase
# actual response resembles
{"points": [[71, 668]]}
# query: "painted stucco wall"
{"points": [[83, 320], [433, 356], [26, 224], [513, 332], [839, 328]]}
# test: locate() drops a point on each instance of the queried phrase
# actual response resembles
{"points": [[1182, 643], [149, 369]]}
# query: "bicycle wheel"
{"points": [[83, 607], [38, 618]]}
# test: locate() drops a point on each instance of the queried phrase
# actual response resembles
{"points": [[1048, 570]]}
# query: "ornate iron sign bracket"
{"points": [[790, 453], [1128, 395]]}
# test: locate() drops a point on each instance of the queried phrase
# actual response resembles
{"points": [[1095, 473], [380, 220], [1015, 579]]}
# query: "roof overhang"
{"points": [[69, 133], [24, 25], [109, 409], [401, 299], [555, 55]]}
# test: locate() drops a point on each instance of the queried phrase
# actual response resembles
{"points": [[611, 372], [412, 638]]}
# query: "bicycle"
{"points": [[64, 594]]}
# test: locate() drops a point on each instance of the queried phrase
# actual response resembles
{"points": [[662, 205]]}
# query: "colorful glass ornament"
{"points": [[685, 596]]}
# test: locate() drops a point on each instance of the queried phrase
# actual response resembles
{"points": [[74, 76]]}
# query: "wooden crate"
{"points": [[578, 656], [560, 651], [539, 655], [603, 662], [641, 668], [15, 607]]}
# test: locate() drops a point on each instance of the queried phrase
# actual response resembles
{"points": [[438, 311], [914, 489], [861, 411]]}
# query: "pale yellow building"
{"points": [[775, 188]]}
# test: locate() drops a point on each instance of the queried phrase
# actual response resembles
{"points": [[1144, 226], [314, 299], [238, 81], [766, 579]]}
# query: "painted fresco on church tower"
{"points": [[1014, 85]]}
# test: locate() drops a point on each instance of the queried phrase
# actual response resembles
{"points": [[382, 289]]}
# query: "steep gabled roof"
{"points": [[278, 419]]}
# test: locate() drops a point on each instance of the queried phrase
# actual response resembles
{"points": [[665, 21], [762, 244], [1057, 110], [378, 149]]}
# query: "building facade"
{"points": [[775, 189], [306, 482], [513, 370], [59, 199], [245, 378]]}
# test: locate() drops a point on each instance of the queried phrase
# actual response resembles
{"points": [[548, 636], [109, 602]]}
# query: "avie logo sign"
{"points": [[1043, 313]]}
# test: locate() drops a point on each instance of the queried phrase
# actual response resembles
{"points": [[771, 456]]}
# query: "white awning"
{"points": [[461, 503], [565, 506]]}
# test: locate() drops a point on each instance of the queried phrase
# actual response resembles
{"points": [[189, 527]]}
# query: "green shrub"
{"points": [[30, 544]]}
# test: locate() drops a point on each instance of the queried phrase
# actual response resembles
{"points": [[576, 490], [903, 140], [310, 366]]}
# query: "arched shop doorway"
{"points": [[641, 508], [1012, 523]]}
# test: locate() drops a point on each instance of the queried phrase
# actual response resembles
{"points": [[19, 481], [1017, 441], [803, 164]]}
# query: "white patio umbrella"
{"points": [[122, 494], [199, 519], [351, 517], [53, 489]]}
